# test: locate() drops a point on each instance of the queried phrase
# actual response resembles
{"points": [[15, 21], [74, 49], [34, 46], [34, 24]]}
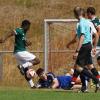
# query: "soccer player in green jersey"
{"points": [[91, 14], [25, 59]]}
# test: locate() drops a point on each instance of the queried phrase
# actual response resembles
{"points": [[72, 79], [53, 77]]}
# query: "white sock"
{"points": [[27, 64], [31, 82], [86, 83]]}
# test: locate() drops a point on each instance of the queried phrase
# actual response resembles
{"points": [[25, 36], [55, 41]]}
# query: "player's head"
{"points": [[79, 12], [40, 72], [91, 12], [25, 25]]}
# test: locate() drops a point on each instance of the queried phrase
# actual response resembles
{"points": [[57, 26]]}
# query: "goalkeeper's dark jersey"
{"points": [[47, 83]]}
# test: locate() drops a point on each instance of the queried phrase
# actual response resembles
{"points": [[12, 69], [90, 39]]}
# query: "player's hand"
{"points": [[2, 40], [68, 45], [94, 51], [75, 55]]}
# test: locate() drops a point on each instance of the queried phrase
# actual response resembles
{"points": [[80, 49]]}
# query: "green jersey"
{"points": [[19, 40], [96, 23]]}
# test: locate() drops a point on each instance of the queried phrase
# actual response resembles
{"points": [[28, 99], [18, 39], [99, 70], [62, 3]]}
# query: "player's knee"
{"points": [[91, 66], [36, 61], [79, 69]]}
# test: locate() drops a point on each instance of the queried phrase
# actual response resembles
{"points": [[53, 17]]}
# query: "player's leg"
{"points": [[31, 62], [30, 59], [82, 77], [77, 72], [84, 81], [75, 75], [98, 60], [98, 55], [90, 64], [29, 79], [87, 73], [19, 66], [27, 58], [77, 69], [94, 71], [55, 84], [35, 61], [22, 57], [82, 60], [21, 69]]}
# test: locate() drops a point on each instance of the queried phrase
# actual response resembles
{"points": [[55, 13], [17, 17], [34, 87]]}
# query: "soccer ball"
{"points": [[30, 73]]}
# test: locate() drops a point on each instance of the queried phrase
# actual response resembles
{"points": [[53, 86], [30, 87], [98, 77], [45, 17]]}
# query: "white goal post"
{"points": [[46, 37]]}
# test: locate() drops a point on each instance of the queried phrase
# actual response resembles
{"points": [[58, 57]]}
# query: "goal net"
{"points": [[58, 32]]}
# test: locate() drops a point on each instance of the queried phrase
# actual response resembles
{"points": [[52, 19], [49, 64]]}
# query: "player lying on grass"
{"points": [[25, 59], [83, 51], [49, 80]]}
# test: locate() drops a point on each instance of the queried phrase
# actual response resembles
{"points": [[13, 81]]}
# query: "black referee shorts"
{"points": [[84, 57]]}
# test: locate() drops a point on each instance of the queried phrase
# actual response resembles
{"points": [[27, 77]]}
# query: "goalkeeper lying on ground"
{"points": [[49, 80]]}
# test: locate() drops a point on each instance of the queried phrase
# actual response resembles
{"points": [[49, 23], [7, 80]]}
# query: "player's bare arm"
{"points": [[74, 40], [55, 84], [95, 43], [98, 30], [28, 43], [9, 34]]}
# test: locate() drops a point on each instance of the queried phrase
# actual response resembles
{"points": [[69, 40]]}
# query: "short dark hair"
{"points": [[79, 11], [91, 10], [39, 71], [25, 22]]}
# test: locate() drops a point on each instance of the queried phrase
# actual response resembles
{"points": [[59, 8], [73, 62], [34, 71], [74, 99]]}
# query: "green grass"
{"points": [[27, 94]]}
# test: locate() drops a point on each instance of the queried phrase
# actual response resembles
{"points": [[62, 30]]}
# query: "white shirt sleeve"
{"points": [[93, 29], [15, 32], [77, 27]]}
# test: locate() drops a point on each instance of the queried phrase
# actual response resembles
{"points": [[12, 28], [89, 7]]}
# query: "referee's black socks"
{"points": [[90, 75], [83, 80], [95, 73], [75, 75]]}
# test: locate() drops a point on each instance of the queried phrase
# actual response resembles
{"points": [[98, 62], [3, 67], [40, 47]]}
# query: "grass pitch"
{"points": [[27, 94]]}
